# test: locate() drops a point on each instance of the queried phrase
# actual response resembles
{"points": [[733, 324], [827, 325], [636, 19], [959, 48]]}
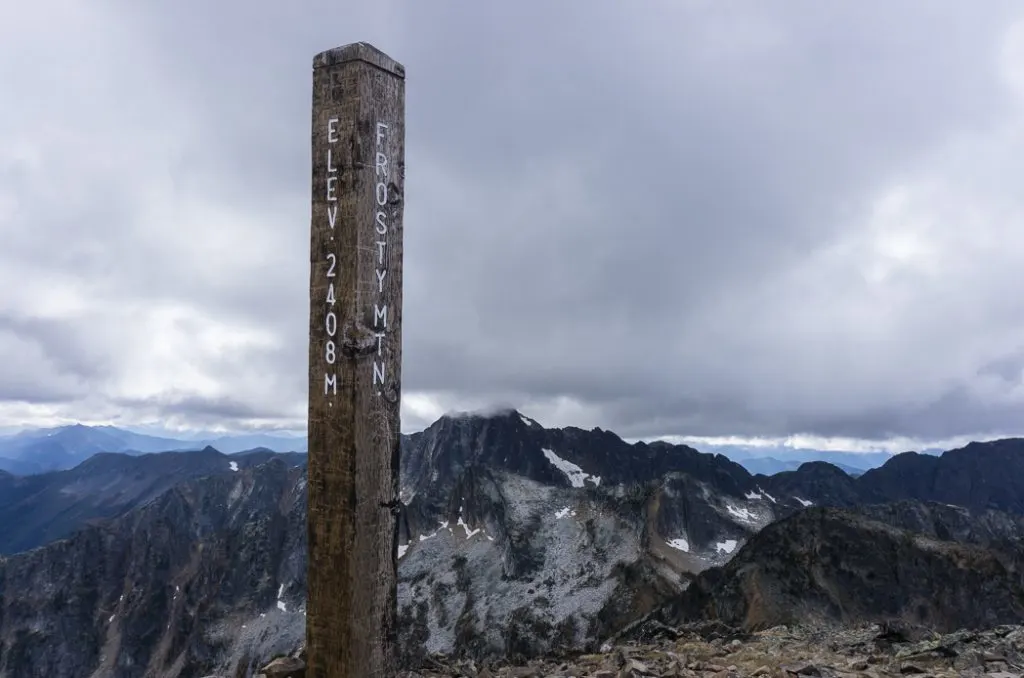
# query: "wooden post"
{"points": [[355, 353]]}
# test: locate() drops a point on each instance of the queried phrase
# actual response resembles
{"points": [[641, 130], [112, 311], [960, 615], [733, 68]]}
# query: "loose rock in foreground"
{"points": [[699, 651]]}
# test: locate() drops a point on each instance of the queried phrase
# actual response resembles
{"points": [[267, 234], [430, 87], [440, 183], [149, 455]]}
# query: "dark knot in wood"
{"points": [[392, 393], [358, 340]]}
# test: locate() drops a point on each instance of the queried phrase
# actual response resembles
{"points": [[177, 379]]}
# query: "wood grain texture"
{"points": [[358, 163]]}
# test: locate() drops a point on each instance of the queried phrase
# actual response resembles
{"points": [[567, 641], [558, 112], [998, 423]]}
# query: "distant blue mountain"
{"points": [[777, 458], [769, 459], [54, 449], [770, 466], [244, 442]]}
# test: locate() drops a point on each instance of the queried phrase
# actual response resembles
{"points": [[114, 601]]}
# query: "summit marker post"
{"points": [[355, 354]]}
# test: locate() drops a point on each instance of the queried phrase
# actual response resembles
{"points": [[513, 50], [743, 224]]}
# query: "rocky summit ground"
{"points": [[870, 650]]}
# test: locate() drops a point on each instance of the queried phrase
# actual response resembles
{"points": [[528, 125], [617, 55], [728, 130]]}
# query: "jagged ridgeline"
{"points": [[516, 541]]}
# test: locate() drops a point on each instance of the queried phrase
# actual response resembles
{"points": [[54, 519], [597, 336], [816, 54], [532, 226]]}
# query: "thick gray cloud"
{"points": [[682, 219]]}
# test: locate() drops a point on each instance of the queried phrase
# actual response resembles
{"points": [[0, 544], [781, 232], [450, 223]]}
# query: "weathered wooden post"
{"points": [[355, 352]]}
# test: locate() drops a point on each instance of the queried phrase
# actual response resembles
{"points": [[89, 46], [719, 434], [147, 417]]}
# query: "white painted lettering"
{"points": [[380, 309], [331, 318]]}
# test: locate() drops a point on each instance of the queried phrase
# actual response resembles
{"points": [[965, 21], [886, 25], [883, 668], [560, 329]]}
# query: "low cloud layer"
{"points": [[689, 219]]}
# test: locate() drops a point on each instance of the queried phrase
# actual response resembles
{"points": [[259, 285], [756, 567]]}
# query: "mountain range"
{"points": [[41, 508], [53, 449], [769, 459], [32, 451], [927, 563], [515, 541]]}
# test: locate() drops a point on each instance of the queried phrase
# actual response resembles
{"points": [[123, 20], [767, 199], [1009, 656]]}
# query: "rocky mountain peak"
{"points": [[435, 460], [980, 476], [830, 565]]}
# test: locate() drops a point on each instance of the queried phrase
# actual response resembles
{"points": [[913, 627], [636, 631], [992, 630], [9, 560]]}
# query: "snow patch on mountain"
{"points": [[529, 422], [751, 517], [740, 513], [680, 544], [280, 603], [576, 475], [444, 526], [727, 546], [760, 495], [566, 512], [464, 526]]}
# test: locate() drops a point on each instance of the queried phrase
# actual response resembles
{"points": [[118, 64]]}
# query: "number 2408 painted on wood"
{"points": [[332, 319]]}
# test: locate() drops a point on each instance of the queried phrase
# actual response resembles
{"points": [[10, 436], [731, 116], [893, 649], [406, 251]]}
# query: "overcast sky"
{"points": [[664, 218]]}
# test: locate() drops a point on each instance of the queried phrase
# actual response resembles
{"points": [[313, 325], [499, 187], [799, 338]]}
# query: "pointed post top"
{"points": [[359, 51]]}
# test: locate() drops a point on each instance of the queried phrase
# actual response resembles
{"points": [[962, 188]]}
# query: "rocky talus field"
{"points": [[717, 651], [783, 652]]}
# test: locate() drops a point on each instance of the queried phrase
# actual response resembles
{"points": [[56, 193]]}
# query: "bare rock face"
{"points": [[38, 509], [923, 563], [980, 477], [517, 541], [168, 588], [560, 571]]}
